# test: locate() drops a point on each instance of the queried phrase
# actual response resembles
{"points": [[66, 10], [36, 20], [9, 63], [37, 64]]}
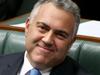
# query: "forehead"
{"points": [[52, 15], [49, 9]]}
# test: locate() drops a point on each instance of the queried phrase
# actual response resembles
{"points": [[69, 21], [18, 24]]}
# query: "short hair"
{"points": [[67, 5]]}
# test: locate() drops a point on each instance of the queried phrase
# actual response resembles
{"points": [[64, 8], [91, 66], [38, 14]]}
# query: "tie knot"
{"points": [[34, 71]]}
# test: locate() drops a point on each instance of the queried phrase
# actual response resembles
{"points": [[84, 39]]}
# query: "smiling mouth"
{"points": [[46, 49]]}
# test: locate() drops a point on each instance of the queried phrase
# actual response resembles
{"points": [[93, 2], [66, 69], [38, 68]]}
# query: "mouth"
{"points": [[46, 49]]}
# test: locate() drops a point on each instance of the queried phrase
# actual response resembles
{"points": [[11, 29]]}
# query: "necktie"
{"points": [[33, 72]]}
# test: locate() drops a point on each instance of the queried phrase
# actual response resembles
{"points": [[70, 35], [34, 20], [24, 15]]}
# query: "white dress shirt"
{"points": [[27, 66]]}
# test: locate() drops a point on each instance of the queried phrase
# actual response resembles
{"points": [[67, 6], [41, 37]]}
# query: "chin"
{"points": [[40, 59]]}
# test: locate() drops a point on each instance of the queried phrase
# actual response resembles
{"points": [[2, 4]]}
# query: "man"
{"points": [[50, 31]]}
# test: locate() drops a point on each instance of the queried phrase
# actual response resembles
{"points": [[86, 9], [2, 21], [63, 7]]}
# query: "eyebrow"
{"points": [[63, 32], [58, 31], [44, 24]]}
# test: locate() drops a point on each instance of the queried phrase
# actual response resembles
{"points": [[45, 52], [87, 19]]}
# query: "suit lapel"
{"points": [[14, 67], [65, 68]]}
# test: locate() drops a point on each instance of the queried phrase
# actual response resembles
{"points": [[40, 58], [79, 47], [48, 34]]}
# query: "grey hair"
{"points": [[67, 5]]}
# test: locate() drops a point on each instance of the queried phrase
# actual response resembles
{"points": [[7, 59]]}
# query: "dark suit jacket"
{"points": [[11, 64]]}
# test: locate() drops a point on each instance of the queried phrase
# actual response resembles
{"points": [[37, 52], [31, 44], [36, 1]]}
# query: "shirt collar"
{"points": [[27, 66]]}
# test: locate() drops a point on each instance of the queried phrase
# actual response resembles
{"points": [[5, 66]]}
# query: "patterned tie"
{"points": [[34, 71]]}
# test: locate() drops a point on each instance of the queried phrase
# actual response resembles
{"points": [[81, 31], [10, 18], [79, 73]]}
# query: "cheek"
{"points": [[32, 38], [62, 47], [60, 44], [34, 35]]}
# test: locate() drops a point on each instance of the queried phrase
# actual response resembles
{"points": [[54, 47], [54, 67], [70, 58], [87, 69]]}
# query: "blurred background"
{"points": [[13, 8]]}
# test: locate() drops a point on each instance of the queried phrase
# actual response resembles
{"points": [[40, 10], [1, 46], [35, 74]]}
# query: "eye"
{"points": [[42, 28], [61, 36]]}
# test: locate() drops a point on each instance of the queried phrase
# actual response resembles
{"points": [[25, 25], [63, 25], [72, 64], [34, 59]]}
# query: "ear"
{"points": [[27, 23], [27, 26], [74, 39]]}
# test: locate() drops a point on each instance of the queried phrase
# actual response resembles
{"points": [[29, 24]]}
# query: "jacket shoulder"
{"points": [[69, 67], [6, 59]]}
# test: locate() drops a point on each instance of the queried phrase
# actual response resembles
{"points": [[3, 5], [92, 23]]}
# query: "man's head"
{"points": [[50, 31]]}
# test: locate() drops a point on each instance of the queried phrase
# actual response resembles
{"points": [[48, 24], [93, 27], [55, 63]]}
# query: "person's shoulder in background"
{"points": [[9, 8]]}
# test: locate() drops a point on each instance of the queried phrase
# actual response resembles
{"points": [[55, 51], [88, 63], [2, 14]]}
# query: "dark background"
{"points": [[89, 9]]}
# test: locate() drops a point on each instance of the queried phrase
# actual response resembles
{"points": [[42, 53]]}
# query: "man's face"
{"points": [[49, 35]]}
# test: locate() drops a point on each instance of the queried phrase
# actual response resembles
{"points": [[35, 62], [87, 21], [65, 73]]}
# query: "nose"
{"points": [[48, 38]]}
